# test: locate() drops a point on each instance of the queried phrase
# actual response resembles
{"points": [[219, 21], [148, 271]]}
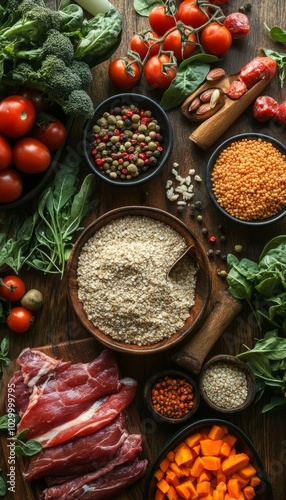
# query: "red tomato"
{"points": [[36, 97], [173, 42], [143, 43], [237, 24], [264, 108], [17, 116], [124, 74], [215, 39], [159, 72], [50, 131], [160, 21], [12, 288], [11, 185], [31, 156], [5, 153], [191, 15], [20, 319]]}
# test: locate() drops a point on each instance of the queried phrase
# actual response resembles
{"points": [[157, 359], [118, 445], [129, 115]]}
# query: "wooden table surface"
{"points": [[56, 322]]}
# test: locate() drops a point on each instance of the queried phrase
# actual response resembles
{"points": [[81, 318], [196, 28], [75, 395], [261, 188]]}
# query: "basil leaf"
{"points": [[144, 7], [27, 449], [4, 346], [278, 34]]}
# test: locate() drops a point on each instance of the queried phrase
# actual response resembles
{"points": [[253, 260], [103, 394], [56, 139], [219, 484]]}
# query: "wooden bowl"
{"points": [[203, 284], [232, 362], [175, 374], [243, 444]]}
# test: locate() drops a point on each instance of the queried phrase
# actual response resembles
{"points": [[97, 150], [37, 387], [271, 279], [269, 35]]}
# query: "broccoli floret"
{"points": [[84, 72], [34, 24], [55, 44], [58, 79], [26, 5], [79, 105]]}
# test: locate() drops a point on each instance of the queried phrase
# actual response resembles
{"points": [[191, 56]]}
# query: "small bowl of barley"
{"points": [[246, 179]]}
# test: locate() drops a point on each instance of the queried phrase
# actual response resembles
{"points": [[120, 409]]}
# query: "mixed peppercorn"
{"points": [[126, 142], [172, 397]]}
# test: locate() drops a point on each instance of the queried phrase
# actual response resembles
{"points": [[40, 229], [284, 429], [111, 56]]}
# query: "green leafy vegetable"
{"points": [[262, 284], [267, 361], [280, 59], [144, 7], [26, 448], [6, 420], [277, 34], [4, 350], [3, 488]]}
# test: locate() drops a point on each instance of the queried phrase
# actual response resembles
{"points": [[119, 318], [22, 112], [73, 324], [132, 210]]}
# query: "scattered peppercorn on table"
{"points": [[56, 323]]}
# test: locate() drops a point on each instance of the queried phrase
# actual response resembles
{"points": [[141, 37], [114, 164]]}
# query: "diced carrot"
{"points": [[193, 439], [210, 446], [217, 432], [230, 439], [159, 495], [163, 485], [171, 455], [159, 474], [183, 454], [211, 463], [229, 497], [196, 449], [233, 451], [172, 478], [172, 494], [220, 476], [187, 490], [178, 471], [164, 464], [254, 481], [218, 495], [234, 463], [205, 475], [203, 488], [247, 471], [225, 449], [249, 492], [242, 481], [197, 467], [209, 496], [233, 488]]}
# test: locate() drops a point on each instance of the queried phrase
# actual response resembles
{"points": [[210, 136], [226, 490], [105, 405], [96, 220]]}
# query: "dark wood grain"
{"points": [[56, 323]]}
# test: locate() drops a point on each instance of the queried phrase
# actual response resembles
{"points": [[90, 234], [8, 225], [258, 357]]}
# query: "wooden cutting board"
{"points": [[76, 351]]}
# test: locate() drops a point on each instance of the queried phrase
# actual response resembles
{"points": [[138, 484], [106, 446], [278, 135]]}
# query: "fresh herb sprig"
{"points": [[277, 34], [22, 448], [267, 359], [4, 351]]}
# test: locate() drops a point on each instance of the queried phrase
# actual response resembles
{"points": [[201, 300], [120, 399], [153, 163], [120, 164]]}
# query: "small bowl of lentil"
{"points": [[227, 384], [128, 140], [246, 179], [171, 396]]}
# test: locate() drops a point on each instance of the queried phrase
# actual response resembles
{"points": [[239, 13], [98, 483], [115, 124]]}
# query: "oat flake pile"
{"points": [[122, 280]]}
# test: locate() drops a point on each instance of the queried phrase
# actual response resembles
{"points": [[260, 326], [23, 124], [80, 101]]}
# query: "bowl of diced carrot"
{"points": [[211, 459]]}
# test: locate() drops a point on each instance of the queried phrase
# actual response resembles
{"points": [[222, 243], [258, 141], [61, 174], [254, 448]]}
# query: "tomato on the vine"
{"points": [[143, 43], [12, 288], [191, 15], [160, 21], [215, 39], [5, 153], [182, 49], [36, 97], [50, 131], [124, 74], [31, 156], [11, 185], [20, 319], [17, 116], [159, 71]]}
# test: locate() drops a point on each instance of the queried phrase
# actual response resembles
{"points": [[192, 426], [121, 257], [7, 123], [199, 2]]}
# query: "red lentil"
{"points": [[249, 179], [172, 397]]}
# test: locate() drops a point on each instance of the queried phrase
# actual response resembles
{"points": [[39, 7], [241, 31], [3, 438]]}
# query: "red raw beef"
{"points": [[110, 484], [80, 455], [126, 453], [20, 392], [92, 417], [35, 364]]}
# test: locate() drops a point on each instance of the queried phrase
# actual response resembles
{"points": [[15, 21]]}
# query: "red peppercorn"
{"points": [[212, 239], [172, 397]]}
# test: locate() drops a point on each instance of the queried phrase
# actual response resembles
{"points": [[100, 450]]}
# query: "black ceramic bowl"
{"points": [[165, 130], [243, 444], [252, 136]]}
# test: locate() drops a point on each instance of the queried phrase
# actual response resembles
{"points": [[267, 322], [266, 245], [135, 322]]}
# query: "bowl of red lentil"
{"points": [[172, 396], [246, 179], [128, 140], [227, 384], [118, 285]]}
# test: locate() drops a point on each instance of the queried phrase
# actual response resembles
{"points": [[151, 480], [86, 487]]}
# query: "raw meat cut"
{"points": [[35, 364], [21, 393], [78, 455], [127, 452]]}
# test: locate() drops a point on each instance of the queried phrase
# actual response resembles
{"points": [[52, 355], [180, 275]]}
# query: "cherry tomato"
{"points": [[36, 97], [31, 156], [20, 319], [17, 116], [50, 131], [5, 153], [124, 74], [237, 24], [264, 108], [160, 21], [182, 50], [12, 288], [159, 72], [11, 185], [143, 43], [191, 15], [215, 39]]}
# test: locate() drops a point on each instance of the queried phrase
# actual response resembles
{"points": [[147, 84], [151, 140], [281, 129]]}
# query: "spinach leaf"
{"points": [[4, 350], [276, 403], [144, 7]]}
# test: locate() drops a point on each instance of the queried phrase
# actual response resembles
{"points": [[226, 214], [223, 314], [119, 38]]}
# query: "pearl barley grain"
{"points": [[225, 385]]}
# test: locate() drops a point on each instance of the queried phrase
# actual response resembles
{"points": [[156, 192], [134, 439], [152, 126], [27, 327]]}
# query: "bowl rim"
{"points": [[122, 98], [176, 374], [227, 358], [210, 164], [200, 424], [71, 280]]}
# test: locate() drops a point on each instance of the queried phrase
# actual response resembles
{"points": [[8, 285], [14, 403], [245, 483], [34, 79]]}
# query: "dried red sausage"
{"points": [[238, 24], [264, 108], [236, 89], [280, 115], [260, 68]]}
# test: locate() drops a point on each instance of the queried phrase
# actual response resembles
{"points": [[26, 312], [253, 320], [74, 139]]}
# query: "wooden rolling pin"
{"points": [[194, 352]]}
